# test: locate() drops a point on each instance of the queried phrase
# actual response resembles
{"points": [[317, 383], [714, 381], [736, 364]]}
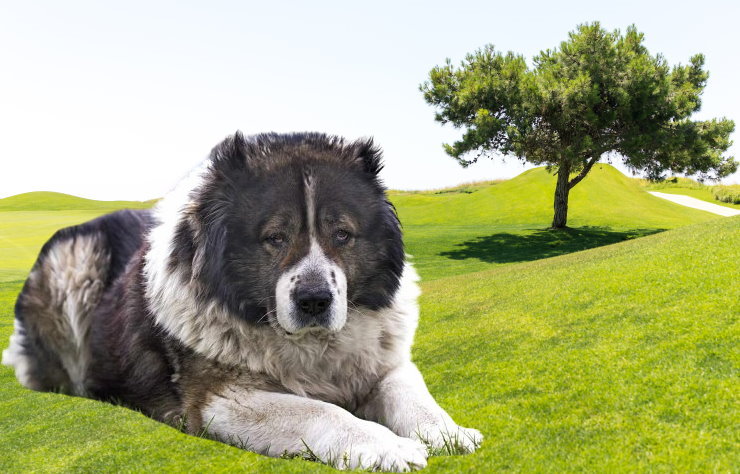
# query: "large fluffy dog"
{"points": [[265, 299]]}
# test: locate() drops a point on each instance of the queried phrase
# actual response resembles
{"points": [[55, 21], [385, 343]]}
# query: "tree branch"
{"points": [[584, 171]]}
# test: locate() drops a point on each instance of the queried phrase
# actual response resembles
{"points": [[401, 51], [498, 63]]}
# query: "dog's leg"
{"points": [[402, 402], [278, 424]]}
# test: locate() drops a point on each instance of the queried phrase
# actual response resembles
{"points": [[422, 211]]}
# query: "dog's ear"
{"points": [[231, 151], [370, 155]]}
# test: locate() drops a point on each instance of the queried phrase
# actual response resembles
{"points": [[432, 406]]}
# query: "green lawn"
{"points": [[28, 220], [687, 187], [618, 358], [23, 232], [51, 201], [455, 233]]}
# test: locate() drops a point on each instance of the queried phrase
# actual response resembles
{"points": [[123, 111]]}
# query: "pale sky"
{"points": [[119, 100]]}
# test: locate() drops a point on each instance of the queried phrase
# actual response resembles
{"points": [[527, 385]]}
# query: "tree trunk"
{"points": [[561, 197]]}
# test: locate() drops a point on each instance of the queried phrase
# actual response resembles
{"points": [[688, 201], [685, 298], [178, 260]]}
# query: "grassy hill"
{"points": [[28, 220], [51, 201], [618, 358], [450, 233], [22, 233], [686, 187], [606, 195]]}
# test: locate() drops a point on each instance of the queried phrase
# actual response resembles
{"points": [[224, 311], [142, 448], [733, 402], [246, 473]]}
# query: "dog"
{"points": [[266, 300]]}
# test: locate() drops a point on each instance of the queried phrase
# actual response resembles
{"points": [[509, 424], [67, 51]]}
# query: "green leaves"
{"points": [[685, 146], [598, 92], [483, 96]]}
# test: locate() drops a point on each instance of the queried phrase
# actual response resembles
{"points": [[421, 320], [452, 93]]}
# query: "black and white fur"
{"points": [[266, 298]]}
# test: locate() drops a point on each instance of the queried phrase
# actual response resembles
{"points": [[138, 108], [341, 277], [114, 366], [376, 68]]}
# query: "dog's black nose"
{"points": [[314, 302]]}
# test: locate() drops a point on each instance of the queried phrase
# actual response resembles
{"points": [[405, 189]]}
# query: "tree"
{"points": [[599, 94]]}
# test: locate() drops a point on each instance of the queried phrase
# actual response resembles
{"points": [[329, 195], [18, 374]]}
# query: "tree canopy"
{"points": [[598, 94]]}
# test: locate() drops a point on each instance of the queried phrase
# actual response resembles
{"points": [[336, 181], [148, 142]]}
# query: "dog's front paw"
{"points": [[392, 453], [446, 439], [368, 446]]}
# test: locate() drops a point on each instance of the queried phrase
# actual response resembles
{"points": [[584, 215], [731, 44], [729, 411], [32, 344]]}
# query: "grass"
{"points": [[51, 201], [23, 232], [29, 219], [501, 223], [687, 187], [727, 193], [620, 358], [617, 358], [464, 188]]}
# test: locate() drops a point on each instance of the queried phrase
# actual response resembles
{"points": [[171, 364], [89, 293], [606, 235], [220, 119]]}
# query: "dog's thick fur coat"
{"points": [[266, 299]]}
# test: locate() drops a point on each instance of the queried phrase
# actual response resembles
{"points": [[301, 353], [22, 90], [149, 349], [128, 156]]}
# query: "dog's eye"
{"points": [[277, 239], [341, 236]]}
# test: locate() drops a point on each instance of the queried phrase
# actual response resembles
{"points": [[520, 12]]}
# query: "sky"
{"points": [[119, 100]]}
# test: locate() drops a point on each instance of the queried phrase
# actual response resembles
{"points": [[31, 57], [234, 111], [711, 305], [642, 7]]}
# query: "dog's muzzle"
{"points": [[313, 305], [312, 295]]}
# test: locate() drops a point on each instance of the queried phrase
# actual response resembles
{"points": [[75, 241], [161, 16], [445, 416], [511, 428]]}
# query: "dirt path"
{"points": [[697, 204]]}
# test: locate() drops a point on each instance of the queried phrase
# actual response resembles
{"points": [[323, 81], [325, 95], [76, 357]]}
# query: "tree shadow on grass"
{"points": [[507, 247]]}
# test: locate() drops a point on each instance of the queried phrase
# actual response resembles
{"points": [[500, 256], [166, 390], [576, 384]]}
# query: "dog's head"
{"points": [[291, 230]]}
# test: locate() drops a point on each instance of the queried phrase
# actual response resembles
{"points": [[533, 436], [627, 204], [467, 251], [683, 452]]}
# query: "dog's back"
{"points": [[49, 348]]}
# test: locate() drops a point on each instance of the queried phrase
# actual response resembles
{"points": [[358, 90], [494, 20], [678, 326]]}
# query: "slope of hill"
{"points": [[605, 194], [686, 187], [621, 358], [28, 220], [450, 233], [51, 201]]}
